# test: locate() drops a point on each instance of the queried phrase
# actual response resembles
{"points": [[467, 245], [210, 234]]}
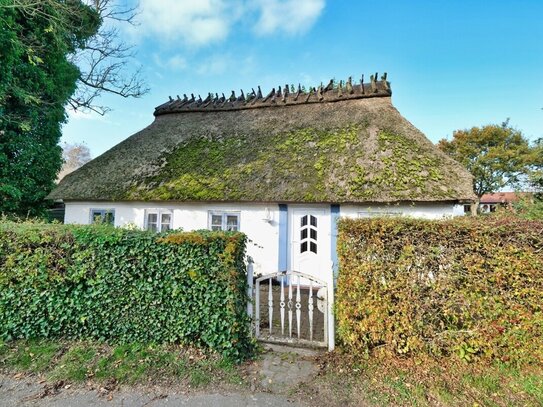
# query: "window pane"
{"points": [[313, 221], [304, 220], [313, 247], [304, 234], [152, 227], [165, 227], [97, 216], [109, 218], [166, 218], [314, 234], [303, 247], [216, 220], [232, 222], [152, 218]]}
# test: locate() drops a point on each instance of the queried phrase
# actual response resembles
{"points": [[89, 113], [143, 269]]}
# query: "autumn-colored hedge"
{"points": [[466, 287], [99, 282]]}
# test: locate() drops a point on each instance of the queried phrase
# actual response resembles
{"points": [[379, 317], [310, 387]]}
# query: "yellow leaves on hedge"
{"points": [[469, 288]]}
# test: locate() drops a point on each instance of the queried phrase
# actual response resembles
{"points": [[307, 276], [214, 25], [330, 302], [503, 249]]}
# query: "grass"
{"points": [[125, 364], [30, 356], [424, 383]]}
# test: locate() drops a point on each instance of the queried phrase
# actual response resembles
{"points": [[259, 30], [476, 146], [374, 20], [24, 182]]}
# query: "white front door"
{"points": [[310, 242]]}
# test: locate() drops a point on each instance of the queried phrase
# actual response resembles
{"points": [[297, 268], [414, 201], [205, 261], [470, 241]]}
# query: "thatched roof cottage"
{"points": [[280, 167]]}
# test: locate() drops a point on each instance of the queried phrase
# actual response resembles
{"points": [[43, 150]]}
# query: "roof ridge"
{"points": [[288, 95]]}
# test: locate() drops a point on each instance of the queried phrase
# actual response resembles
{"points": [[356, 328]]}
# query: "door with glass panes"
{"points": [[308, 242]]}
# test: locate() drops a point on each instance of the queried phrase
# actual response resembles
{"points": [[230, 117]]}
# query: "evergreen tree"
{"points": [[36, 81]]}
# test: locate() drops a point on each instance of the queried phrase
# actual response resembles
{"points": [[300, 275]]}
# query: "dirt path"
{"points": [[27, 393], [274, 378]]}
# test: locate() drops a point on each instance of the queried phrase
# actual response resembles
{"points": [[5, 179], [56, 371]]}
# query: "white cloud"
{"points": [[177, 62], [192, 22], [84, 115], [174, 62], [214, 65], [218, 64], [200, 22], [289, 16]]}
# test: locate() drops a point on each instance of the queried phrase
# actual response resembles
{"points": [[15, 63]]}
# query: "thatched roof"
{"points": [[343, 143]]}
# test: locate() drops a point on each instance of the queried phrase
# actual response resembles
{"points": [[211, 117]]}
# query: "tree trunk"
{"points": [[474, 207]]}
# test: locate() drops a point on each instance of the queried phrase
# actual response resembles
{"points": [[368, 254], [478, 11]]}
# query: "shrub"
{"points": [[530, 208], [470, 287], [98, 282]]}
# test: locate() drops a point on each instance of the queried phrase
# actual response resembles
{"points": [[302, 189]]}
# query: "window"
{"points": [[308, 234], [158, 220], [105, 216], [224, 221]]}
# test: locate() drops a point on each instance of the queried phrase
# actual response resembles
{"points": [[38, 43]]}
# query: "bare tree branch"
{"points": [[105, 61]]}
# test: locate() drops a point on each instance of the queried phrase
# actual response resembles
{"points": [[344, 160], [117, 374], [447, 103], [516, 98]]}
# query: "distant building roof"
{"points": [[502, 197]]}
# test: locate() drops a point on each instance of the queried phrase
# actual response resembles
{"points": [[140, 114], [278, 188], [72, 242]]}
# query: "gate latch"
{"points": [[321, 299]]}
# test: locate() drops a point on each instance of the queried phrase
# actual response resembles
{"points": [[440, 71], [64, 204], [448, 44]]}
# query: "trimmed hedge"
{"points": [[98, 282], [469, 287]]}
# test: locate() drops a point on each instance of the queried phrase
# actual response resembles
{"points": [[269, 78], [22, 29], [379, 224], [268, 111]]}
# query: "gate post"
{"points": [[250, 272], [330, 310]]}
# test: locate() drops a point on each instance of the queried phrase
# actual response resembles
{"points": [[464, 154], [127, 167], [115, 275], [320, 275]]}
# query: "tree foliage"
{"points": [[536, 176], [36, 81], [53, 54], [103, 58], [496, 155]]}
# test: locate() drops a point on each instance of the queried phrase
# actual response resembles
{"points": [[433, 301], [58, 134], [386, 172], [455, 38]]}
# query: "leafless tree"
{"points": [[74, 155], [106, 62]]}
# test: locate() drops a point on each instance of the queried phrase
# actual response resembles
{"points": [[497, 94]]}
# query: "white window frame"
{"points": [[224, 215], [103, 212], [159, 212]]}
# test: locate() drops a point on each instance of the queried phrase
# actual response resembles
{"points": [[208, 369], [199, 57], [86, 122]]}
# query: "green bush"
{"points": [[98, 282], [466, 287], [530, 208]]}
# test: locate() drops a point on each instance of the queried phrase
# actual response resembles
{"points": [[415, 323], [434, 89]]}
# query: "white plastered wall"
{"points": [[420, 210], [263, 235]]}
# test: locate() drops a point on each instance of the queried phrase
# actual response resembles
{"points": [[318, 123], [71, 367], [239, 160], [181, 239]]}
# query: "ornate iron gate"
{"points": [[294, 309]]}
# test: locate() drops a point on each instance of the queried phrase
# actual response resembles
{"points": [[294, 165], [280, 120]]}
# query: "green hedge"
{"points": [[466, 287], [98, 282]]}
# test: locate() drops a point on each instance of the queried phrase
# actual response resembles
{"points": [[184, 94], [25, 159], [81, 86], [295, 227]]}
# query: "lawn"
{"points": [[424, 383], [123, 364]]}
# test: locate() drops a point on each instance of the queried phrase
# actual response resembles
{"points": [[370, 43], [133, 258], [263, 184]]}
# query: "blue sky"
{"points": [[452, 64]]}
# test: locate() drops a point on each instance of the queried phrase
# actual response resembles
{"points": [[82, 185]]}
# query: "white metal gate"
{"points": [[291, 307]]}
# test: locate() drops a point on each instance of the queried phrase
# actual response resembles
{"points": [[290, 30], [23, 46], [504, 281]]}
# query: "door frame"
{"points": [[328, 265]]}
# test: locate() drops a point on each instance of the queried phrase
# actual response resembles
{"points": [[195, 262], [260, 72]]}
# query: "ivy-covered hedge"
{"points": [[98, 282], [466, 287]]}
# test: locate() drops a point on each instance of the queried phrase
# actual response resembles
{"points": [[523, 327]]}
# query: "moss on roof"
{"points": [[359, 150]]}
